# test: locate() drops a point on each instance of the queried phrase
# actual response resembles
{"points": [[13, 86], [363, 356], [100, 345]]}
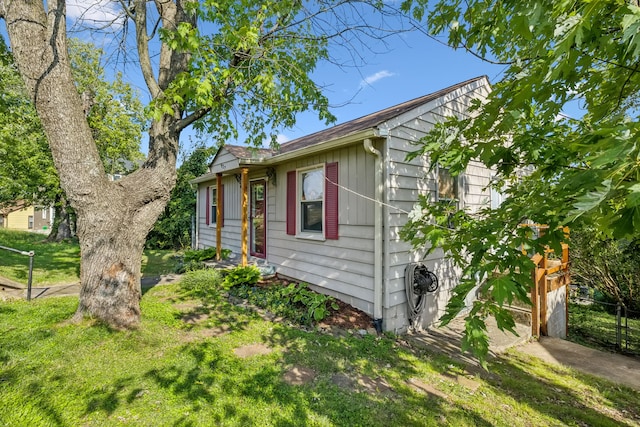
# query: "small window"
{"points": [[447, 186], [448, 193], [214, 205], [44, 213], [30, 225], [312, 200]]}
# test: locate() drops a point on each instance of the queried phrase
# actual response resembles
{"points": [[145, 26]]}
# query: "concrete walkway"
{"points": [[617, 368], [611, 366], [12, 290]]}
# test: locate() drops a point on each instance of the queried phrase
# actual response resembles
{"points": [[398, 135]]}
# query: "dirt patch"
{"points": [[347, 317], [299, 375], [251, 350], [468, 383], [424, 388], [363, 383], [343, 381]]}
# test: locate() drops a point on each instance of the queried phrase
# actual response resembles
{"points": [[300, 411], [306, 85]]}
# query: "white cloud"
{"points": [[369, 80], [96, 13], [282, 138]]}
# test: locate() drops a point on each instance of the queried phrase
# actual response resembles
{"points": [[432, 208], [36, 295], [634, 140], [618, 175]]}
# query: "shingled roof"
{"points": [[347, 128], [248, 152], [368, 121]]}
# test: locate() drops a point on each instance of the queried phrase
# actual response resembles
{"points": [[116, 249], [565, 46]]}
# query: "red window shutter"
{"points": [[221, 218], [208, 206], [331, 201], [291, 203]]}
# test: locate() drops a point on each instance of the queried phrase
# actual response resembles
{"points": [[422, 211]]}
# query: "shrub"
{"points": [[205, 284], [296, 301], [247, 275]]}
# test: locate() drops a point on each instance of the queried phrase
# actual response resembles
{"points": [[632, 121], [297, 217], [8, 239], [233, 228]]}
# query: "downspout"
{"points": [[377, 249]]}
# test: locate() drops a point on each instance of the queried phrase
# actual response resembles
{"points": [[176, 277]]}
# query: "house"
{"points": [[21, 216], [327, 208]]}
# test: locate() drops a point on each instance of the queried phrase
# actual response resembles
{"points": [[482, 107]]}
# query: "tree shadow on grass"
{"points": [[221, 387], [566, 395]]}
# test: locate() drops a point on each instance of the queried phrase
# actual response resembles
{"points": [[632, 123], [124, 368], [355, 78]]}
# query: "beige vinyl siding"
{"points": [[342, 267], [405, 181], [224, 161], [232, 208]]}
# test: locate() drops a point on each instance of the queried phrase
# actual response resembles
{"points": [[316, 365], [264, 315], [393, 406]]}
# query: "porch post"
{"points": [[245, 210], [218, 216]]}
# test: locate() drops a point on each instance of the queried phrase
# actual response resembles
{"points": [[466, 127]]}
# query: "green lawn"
{"points": [[174, 373], [592, 326], [59, 263]]}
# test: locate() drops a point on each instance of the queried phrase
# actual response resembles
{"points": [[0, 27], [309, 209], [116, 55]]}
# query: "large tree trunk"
{"points": [[113, 218]]}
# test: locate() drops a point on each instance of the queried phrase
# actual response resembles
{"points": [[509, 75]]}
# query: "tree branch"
{"points": [[142, 43]]}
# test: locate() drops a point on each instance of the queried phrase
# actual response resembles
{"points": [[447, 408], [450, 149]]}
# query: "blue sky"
{"points": [[414, 65]]}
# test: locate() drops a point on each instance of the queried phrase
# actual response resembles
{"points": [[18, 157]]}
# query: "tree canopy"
{"points": [[555, 169], [113, 111], [26, 170]]}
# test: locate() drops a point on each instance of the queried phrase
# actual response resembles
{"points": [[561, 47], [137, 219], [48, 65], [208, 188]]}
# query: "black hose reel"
{"points": [[419, 282], [424, 281]]}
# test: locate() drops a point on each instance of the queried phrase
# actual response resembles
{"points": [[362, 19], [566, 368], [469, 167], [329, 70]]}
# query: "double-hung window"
{"points": [[312, 200], [214, 205]]}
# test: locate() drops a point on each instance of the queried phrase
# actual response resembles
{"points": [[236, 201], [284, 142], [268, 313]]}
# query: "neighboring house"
{"points": [[327, 208], [21, 216]]}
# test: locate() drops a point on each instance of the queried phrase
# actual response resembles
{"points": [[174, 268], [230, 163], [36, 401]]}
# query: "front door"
{"points": [[257, 210]]}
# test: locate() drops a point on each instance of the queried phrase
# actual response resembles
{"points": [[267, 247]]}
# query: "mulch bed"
{"points": [[346, 317]]}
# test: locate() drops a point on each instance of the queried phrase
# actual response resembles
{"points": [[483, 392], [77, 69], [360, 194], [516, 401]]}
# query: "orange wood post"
{"points": [[542, 287], [218, 216], [245, 210], [535, 297]]}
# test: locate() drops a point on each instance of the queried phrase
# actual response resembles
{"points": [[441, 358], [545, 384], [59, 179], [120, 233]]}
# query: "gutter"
{"points": [[342, 141], [377, 250]]}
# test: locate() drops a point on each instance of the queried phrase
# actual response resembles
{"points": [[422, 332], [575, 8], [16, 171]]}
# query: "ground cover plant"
{"points": [[57, 263], [189, 364]]}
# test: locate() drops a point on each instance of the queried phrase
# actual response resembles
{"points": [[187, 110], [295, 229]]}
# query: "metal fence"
{"points": [[30, 254], [610, 325]]}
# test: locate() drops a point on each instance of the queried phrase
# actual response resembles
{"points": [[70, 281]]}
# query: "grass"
{"points": [[592, 326], [170, 372], [59, 263]]}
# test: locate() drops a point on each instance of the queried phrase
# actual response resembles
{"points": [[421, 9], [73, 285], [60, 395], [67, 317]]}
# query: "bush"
{"points": [[296, 301], [247, 275], [205, 284]]}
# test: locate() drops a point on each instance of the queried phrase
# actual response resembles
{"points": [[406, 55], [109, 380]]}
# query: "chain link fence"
{"points": [[603, 324]]}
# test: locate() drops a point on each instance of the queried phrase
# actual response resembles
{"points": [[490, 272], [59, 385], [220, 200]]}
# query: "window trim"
{"points": [[310, 234], [213, 206]]}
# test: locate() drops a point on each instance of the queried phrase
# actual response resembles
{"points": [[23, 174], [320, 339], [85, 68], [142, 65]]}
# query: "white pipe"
{"points": [[377, 250]]}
